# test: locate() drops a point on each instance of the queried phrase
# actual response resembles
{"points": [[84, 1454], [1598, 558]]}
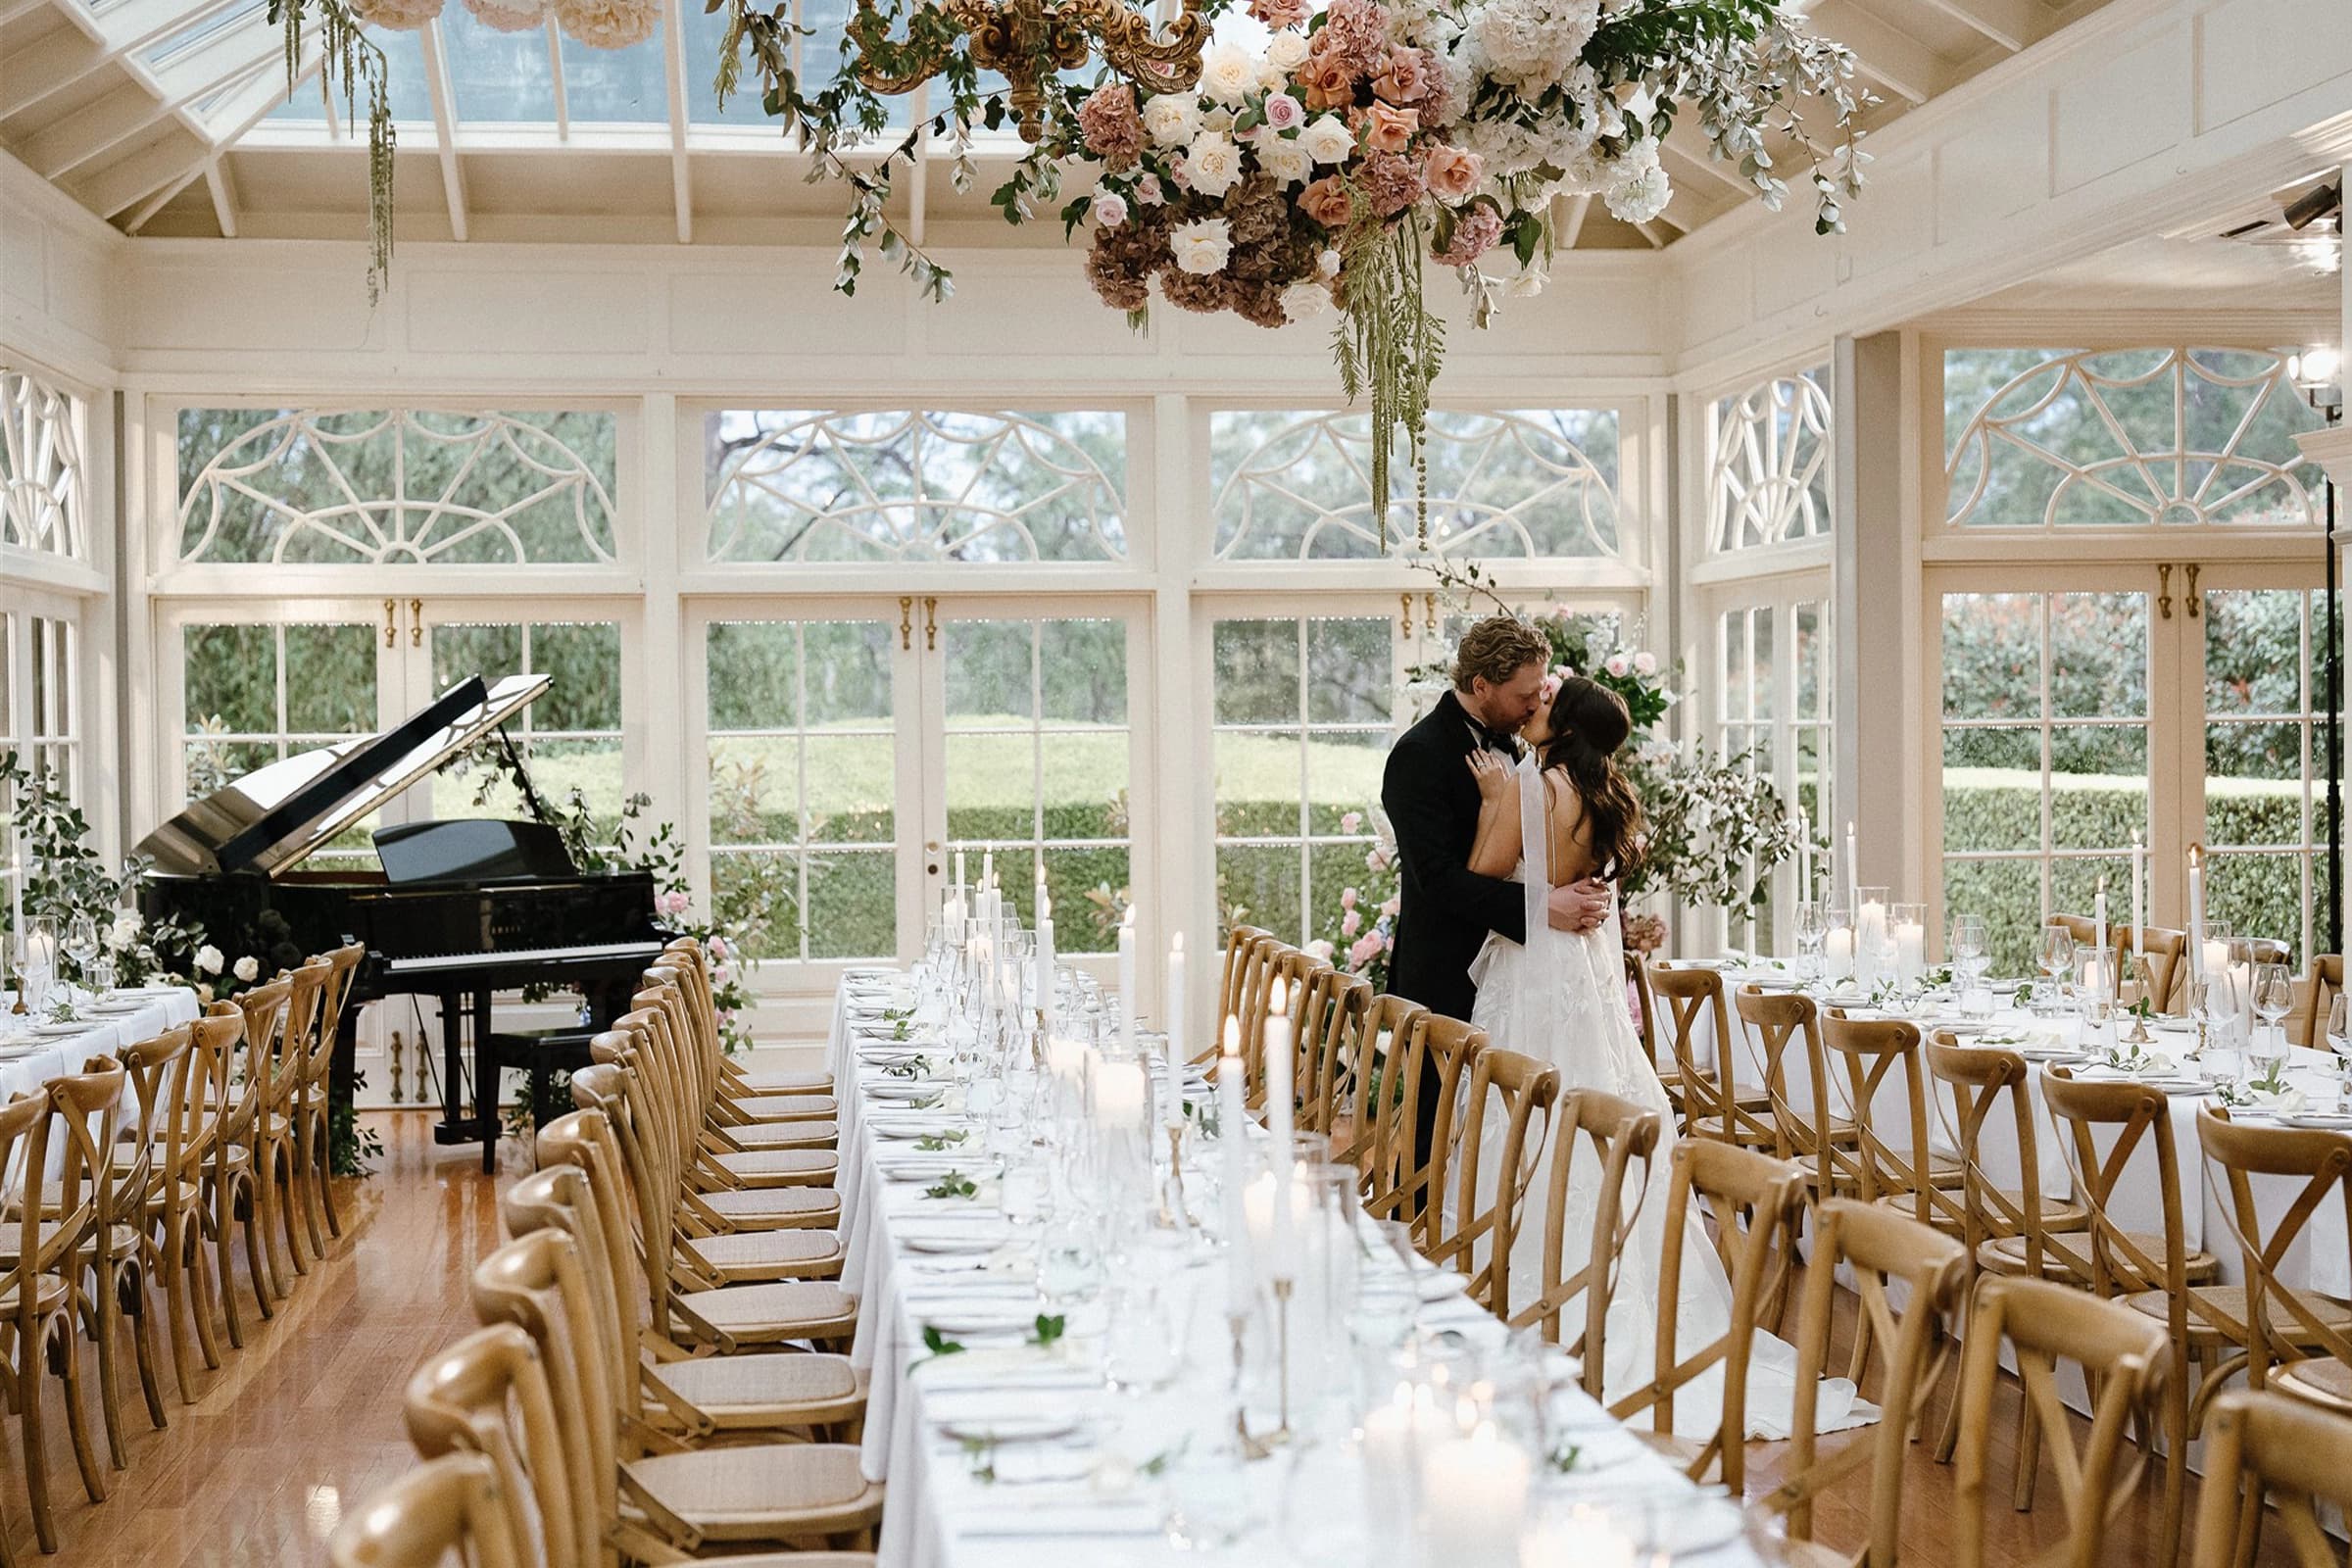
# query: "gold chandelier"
{"points": [[1027, 40]]}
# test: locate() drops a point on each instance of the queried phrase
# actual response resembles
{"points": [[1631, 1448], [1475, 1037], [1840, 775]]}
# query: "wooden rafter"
{"points": [[218, 180], [445, 125], [2014, 25], [555, 74], [114, 118], [1572, 224]]}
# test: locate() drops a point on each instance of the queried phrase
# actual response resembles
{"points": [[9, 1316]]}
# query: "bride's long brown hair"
{"points": [[1589, 725]]}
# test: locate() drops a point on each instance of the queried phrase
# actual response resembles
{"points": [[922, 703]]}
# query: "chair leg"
{"points": [[138, 1304], [106, 1322], [197, 1285], [289, 1200], [66, 1348], [2029, 1455], [255, 1222], [35, 1437], [2175, 1457], [224, 1221], [326, 1183], [310, 1157]]}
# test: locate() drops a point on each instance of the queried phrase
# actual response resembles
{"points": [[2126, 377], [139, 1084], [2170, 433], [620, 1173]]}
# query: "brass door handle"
{"points": [[2195, 600], [905, 622], [1405, 602], [1429, 614], [931, 623], [2163, 589], [416, 623], [391, 623]]}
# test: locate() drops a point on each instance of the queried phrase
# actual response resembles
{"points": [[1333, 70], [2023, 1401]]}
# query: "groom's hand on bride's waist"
{"points": [[1581, 905]]}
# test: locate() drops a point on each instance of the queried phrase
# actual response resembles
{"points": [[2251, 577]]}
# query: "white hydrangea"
{"points": [[1201, 246], [1172, 120], [1284, 159], [1585, 173], [1304, 302], [1212, 162], [1639, 189], [1534, 43], [1327, 139], [1228, 74]]}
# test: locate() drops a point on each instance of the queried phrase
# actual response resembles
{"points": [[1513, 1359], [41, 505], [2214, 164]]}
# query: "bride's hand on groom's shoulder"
{"points": [[1492, 772]]}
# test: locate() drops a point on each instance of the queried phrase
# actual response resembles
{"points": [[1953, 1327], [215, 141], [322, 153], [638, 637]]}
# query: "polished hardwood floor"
{"points": [[305, 1421]]}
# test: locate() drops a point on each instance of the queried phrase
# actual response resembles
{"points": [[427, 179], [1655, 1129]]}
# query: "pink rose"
{"points": [[1326, 202], [1110, 209], [1376, 858], [1389, 906], [1284, 112], [1389, 130], [1348, 897], [717, 946], [1177, 172], [1407, 79], [1351, 923], [1351, 821], [1366, 949], [720, 974], [1148, 191], [1618, 665], [1320, 948], [1452, 172], [673, 902], [1328, 82]]}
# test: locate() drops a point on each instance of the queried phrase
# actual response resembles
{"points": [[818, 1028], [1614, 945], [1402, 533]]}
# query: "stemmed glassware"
{"points": [[1812, 925], [2056, 957], [2339, 1041], [2274, 1000]]}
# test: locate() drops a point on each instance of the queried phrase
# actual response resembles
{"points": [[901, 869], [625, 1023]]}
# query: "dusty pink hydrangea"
{"points": [[1358, 33], [1391, 181], [1476, 231], [1278, 13], [1112, 126]]}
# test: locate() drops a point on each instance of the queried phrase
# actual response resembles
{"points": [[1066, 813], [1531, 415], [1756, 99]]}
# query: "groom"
{"points": [[1432, 800]]}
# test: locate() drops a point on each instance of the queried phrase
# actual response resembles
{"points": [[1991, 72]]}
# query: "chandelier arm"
{"points": [[872, 34]]}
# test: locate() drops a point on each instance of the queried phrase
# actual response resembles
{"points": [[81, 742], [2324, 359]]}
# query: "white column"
{"points": [[1876, 661]]}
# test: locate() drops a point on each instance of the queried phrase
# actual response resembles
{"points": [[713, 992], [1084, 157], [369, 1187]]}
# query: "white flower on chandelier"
{"points": [[1285, 52], [1171, 121], [1109, 207], [1212, 162], [1286, 160], [401, 16], [508, 16], [1201, 246], [607, 24], [1533, 44], [1641, 189], [1328, 140], [1304, 302], [1228, 74], [1527, 285]]}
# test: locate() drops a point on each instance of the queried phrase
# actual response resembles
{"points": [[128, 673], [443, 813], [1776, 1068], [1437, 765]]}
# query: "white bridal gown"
{"points": [[1561, 998]]}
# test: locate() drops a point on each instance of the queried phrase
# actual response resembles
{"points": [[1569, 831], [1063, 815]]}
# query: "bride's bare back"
{"points": [[1495, 852]]}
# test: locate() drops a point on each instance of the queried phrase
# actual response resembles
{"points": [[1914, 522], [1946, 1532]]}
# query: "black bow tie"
{"points": [[1494, 740]]}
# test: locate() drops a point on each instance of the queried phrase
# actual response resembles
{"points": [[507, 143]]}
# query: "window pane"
{"points": [[41, 487], [231, 678], [2008, 894], [1256, 676], [1992, 656], [330, 679], [2098, 655], [1770, 477]]}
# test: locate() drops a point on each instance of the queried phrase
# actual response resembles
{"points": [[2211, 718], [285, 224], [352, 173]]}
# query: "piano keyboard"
{"points": [[503, 956]]}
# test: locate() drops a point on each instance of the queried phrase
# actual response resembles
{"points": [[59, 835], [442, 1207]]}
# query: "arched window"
{"points": [[1769, 482]]}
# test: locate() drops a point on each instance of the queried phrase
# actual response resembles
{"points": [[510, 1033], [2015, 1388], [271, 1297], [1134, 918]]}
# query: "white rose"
{"points": [[1228, 74], [246, 969], [1284, 160], [1285, 51], [1645, 662], [124, 931], [1639, 189], [1170, 120], [208, 960], [1327, 139], [1304, 302], [1201, 246], [1327, 263], [1213, 163], [1110, 209]]}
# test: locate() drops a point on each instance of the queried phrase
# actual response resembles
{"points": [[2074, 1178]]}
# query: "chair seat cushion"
{"points": [[787, 1107], [781, 1168], [786, 1135], [2321, 1380], [795, 1207], [761, 1493], [810, 1254], [791, 1309], [785, 1083], [766, 1380]]}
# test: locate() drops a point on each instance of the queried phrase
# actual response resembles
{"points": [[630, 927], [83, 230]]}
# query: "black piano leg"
{"points": [[486, 1076]]}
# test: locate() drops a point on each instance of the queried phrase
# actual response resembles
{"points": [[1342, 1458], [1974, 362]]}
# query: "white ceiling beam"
{"points": [[165, 169], [1654, 232], [161, 199], [555, 74], [58, 58], [132, 177], [2014, 25], [1889, 56], [224, 195], [129, 24], [445, 125], [1689, 148], [681, 172], [233, 116], [108, 122], [1573, 223], [10, 10]]}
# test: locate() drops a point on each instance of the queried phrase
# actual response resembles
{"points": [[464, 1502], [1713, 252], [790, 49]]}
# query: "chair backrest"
{"points": [[1683, 996], [1895, 1161], [1782, 1021], [1619, 1133], [83, 1107], [1339, 1001], [157, 1069], [1342, 1092], [1646, 1001], [488, 1394], [2135, 1115], [538, 1283], [2274, 1447], [257, 1050], [342, 963], [1389, 1046], [304, 1049], [559, 1197], [614, 1151], [1261, 967], [1241, 943], [1508, 1094], [1878, 1248], [23, 1148], [1753, 1198], [1453, 1048], [2297, 1319], [454, 1508], [2124, 1354], [2326, 983], [211, 1050], [1982, 1078]]}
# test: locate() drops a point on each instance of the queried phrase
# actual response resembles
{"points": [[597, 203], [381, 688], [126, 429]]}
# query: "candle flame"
{"points": [[1129, 917], [1233, 1035], [1278, 1000], [1176, 943]]}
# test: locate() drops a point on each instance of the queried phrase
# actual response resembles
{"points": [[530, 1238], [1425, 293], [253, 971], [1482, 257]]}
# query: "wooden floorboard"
{"points": [[304, 1421]]}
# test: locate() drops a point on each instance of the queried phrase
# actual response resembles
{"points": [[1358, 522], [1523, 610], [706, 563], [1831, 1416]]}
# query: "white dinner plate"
{"points": [[2335, 1120], [961, 1238], [1008, 1427], [908, 1091], [59, 1031]]}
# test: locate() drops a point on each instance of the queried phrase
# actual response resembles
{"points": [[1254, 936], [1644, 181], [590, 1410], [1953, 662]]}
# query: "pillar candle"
{"points": [[1910, 951], [961, 881], [1127, 982], [1119, 1091], [1172, 1112], [1474, 1499], [1837, 954], [1279, 1120], [1804, 855], [1233, 1115], [2098, 921], [1853, 873], [1045, 953], [2196, 908], [2139, 872]]}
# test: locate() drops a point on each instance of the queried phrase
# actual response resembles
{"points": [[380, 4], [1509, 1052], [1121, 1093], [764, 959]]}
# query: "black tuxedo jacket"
{"points": [[1448, 909]]}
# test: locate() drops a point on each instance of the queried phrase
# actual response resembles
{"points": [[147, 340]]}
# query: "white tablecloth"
{"points": [[2321, 1259], [939, 1514], [27, 1061]]}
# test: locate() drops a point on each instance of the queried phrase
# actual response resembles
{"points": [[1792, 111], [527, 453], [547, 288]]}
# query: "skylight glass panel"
{"points": [[497, 75], [703, 31], [172, 44], [403, 63], [616, 87]]}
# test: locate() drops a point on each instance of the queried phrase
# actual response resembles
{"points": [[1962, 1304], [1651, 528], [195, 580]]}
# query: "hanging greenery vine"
{"points": [[352, 61]]}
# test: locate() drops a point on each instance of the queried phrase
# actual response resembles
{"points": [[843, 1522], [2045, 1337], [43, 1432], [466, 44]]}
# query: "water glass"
{"points": [[1144, 1341], [1211, 1502], [2274, 998], [1027, 1192], [2339, 1041], [1070, 1260]]}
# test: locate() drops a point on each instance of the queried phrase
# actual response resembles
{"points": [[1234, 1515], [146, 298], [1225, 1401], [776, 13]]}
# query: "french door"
{"points": [[245, 682], [2187, 707], [852, 746]]}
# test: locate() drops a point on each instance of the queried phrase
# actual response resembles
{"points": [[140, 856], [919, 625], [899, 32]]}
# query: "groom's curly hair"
{"points": [[1498, 648]]}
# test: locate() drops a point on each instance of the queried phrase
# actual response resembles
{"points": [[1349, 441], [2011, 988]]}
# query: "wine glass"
{"points": [[1969, 951], [1812, 924], [81, 943], [2339, 1041], [2056, 956], [2274, 1000]]}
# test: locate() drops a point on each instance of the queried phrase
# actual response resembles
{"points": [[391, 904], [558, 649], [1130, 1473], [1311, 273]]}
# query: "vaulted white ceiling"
{"points": [[172, 117]]}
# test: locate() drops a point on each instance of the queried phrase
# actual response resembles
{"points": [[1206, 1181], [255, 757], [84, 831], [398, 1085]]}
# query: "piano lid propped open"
{"points": [[276, 817]]}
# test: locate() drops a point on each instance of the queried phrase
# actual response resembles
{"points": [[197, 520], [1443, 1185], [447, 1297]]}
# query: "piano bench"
{"points": [[538, 1051]]}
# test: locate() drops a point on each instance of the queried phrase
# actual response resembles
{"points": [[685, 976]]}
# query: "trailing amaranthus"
{"points": [[349, 59]]}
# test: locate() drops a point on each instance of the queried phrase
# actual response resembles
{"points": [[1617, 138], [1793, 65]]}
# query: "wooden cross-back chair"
{"points": [[1898, 1166], [1260, 968], [2326, 985], [1475, 1239], [2122, 1354], [124, 1258], [314, 1131], [1712, 1103], [1810, 1131], [2155, 1274], [727, 1157], [488, 1394], [450, 1507], [1292, 982], [1751, 1196], [2262, 1445], [1232, 984], [176, 1212], [1450, 1048], [237, 1192], [1623, 1139], [2298, 1340], [1879, 1249], [280, 1170], [1329, 1093], [687, 952], [1384, 1068]]}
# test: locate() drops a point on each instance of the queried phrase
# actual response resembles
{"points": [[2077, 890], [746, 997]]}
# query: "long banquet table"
{"points": [[1082, 1500], [2321, 1259], [30, 1059]]}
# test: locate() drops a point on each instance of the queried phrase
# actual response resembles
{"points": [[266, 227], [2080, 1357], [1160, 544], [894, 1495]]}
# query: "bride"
{"points": [[1566, 813]]}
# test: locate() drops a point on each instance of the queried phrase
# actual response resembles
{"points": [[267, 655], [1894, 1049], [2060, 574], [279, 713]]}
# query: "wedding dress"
{"points": [[1561, 998]]}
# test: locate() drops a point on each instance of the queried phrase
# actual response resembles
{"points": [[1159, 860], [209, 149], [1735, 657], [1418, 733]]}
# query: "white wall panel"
{"points": [[533, 310], [788, 309], [1999, 166], [2135, 105], [228, 308], [2252, 54]]}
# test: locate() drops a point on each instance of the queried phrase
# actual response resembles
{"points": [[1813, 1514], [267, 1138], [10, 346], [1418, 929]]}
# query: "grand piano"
{"points": [[462, 909]]}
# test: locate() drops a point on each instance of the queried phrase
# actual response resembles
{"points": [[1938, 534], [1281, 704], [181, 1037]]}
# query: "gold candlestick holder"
{"points": [[1252, 1446], [2143, 986], [1282, 1361], [1174, 1212]]}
